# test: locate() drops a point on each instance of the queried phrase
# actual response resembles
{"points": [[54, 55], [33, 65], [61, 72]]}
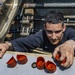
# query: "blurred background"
{"points": [[20, 18]]}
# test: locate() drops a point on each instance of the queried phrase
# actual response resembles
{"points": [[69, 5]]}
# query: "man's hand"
{"points": [[3, 48], [67, 51]]}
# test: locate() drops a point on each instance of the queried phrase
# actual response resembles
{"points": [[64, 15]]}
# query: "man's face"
{"points": [[54, 32]]}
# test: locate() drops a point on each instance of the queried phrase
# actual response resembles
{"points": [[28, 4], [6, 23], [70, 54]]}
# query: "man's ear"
{"points": [[64, 27]]}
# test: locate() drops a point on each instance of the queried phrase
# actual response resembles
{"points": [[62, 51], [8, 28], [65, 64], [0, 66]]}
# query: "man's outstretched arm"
{"points": [[67, 51], [4, 47]]}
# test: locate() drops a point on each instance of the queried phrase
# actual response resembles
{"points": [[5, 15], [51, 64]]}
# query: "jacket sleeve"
{"points": [[26, 43], [70, 34]]}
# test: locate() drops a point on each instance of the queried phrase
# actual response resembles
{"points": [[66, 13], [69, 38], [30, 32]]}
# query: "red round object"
{"points": [[50, 66], [57, 58], [11, 62], [22, 59], [40, 62]]}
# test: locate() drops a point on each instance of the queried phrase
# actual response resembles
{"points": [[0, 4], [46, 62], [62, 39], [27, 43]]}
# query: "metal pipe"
{"points": [[38, 5], [69, 16]]}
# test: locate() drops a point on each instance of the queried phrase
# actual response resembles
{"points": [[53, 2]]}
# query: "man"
{"points": [[54, 38]]}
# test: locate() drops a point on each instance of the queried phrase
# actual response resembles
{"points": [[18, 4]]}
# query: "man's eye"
{"points": [[57, 31], [50, 32]]}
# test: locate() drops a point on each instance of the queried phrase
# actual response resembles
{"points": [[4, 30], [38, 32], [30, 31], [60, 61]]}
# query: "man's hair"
{"points": [[54, 17]]}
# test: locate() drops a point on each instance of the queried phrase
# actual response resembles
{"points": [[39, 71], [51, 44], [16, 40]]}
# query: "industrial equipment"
{"points": [[25, 17], [8, 9]]}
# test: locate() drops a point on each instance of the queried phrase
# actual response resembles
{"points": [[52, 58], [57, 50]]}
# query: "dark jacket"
{"points": [[40, 40]]}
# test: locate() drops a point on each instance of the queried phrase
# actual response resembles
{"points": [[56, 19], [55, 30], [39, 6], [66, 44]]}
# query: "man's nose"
{"points": [[53, 35]]}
